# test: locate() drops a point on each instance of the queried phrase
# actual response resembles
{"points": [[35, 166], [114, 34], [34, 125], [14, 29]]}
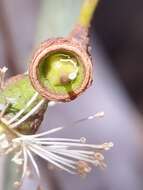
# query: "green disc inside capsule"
{"points": [[61, 73]]}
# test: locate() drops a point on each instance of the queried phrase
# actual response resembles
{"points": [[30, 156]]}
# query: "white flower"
{"points": [[71, 155]]}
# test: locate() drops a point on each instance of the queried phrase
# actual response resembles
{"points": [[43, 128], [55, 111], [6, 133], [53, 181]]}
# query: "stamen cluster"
{"points": [[74, 156]]}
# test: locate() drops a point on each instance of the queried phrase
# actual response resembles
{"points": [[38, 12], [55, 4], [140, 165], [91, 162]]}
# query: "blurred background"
{"points": [[117, 44]]}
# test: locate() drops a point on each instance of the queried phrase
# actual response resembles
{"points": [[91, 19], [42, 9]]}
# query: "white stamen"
{"points": [[16, 159], [16, 124], [58, 152], [25, 158], [56, 147], [73, 144], [33, 162], [29, 103], [57, 158], [99, 114], [108, 146], [58, 139], [4, 109], [83, 152], [83, 140], [50, 160], [4, 121], [47, 132], [69, 154]]}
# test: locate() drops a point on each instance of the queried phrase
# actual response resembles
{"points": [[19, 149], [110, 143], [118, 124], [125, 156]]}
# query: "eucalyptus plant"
{"points": [[60, 71]]}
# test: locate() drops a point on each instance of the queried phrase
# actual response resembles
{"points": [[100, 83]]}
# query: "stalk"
{"points": [[87, 11]]}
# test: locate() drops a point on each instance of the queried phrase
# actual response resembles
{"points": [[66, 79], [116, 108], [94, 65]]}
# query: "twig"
{"points": [[87, 12]]}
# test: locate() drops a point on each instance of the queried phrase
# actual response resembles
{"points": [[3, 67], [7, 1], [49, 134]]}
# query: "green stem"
{"points": [[87, 12]]}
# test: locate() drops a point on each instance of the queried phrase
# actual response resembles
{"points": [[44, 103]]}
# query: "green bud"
{"points": [[17, 92]]}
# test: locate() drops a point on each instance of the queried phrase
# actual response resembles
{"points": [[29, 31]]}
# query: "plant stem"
{"points": [[87, 12]]}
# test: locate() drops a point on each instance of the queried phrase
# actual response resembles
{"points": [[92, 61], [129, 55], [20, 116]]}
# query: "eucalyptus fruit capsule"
{"points": [[61, 69]]}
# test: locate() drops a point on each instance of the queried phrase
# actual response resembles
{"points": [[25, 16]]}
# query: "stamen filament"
{"points": [[57, 139], [72, 144], [4, 110], [86, 152], [50, 160], [74, 156], [25, 162], [33, 162], [16, 124], [76, 152], [29, 103], [47, 132], [57, 158]]}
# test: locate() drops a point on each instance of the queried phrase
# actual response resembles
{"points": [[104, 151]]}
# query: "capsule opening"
{"points": [[61, 72]]}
